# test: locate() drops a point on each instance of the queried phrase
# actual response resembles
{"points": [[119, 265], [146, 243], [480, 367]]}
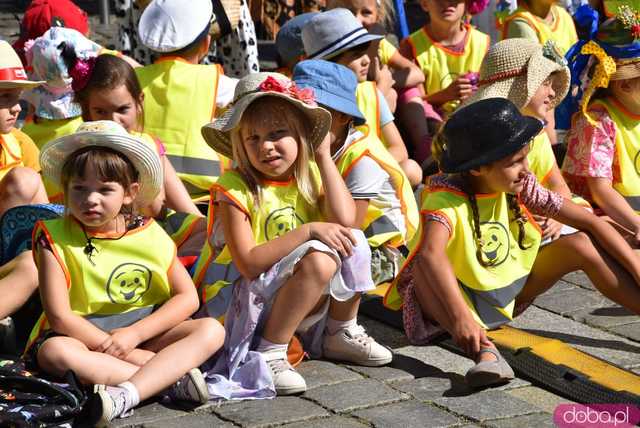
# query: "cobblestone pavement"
{"points": [[424, 386]]}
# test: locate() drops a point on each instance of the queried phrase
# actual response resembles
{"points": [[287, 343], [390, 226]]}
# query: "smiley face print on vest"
{"points": [[495, 242], [128, 282], [636, 162], [281, 221]]}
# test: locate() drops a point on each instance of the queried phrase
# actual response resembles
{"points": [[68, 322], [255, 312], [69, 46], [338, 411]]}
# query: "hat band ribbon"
{"points": [[13, 73], [341, 42], [502, 76]]}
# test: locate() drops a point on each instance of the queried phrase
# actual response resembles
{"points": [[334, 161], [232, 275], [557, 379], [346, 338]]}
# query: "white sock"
{"points": [[265, 346], [334, 326], [133, 397]]}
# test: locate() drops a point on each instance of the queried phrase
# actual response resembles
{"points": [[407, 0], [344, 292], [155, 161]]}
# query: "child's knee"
{"points": [[318, 265], [53, 355], [210, 332], [582, 244], [21, 181]]}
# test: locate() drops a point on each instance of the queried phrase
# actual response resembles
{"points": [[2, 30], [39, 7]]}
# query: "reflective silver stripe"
{"points": [[486, 302], [218, 305], [195, 166], [113, 321], [380, 225], [633, 201]]}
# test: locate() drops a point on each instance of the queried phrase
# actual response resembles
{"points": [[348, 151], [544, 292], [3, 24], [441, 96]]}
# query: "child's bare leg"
{"points": [[298, 296], [344, 311], [61, 353], [21, 186], [178, 350], [18, 283], [578, 252]]}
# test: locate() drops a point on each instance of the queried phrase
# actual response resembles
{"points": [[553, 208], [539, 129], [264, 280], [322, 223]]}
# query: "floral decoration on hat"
{"points": [[630, 19], [271, 84]]}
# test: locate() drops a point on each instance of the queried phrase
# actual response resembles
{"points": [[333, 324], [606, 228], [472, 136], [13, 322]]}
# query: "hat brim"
{"points": [[217, 134], [518, 89], [146, 161], [328, 54], [630, 70], [336, 102], [20, 84], [529, 129]]}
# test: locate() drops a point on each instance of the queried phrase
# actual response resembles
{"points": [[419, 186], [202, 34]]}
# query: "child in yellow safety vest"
{"points": [[477, 260], [535, 80], [385, 205], [107, 89], [337, 36], [20, 183], [115, 313], [181, 95], [279, 241], [602, 162], [449, 52]]}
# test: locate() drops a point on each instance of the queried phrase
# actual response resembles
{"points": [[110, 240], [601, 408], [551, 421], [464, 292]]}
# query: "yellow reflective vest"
{"points": [[541, 158], [11, 155], [489, 291], [369, 106], [180, 98], [627, 149], [281, 209], [562, 31], [441, 66], [121, 284], [379, 229]]}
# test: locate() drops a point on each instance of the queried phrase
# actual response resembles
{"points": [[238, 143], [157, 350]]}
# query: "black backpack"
{"points": [[29, 401]]}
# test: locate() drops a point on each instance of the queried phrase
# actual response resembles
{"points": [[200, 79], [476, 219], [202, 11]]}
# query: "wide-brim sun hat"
{"points": [[330, 33], [516, 68], [334, 86], [105, 133], [12, 73], [170, 25], [289, 38], [259, 85], [486, 131]]}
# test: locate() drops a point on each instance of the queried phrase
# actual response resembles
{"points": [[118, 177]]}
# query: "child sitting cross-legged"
{"points": [[115, 313]]}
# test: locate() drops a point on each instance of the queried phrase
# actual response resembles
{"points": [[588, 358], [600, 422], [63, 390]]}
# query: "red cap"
{"points": [[44, 14]]}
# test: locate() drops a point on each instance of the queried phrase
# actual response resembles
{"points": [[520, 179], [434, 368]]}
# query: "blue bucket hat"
{"points": [[334, 86], [289, 39]]}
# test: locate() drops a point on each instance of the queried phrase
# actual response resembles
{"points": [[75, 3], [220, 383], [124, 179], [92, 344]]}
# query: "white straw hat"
{"points": [[12, 74], [515, 69], [105, 133], [170, 25], [258, 85]]}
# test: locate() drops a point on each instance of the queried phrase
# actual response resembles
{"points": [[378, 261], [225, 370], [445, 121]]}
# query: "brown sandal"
{"points": [[487, 373]]}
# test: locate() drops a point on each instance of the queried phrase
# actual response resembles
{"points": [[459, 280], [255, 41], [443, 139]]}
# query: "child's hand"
{"points": [[335, 236], [324, 148], [470, 336], [382, 76], [550, 227], [120, 342], [460, 89]]}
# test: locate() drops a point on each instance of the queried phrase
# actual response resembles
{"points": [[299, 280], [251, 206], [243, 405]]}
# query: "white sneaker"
{"points": [[286, 380], [354, 345], [112, 401], [190, 387]]}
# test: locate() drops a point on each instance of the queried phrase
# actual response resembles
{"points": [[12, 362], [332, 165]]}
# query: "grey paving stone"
{"points": [[604, 345], [538, 420], [402, 367], [543, 400], [334, 422], [435, 357], [631, 331], [580, 279], [407, 414], [262, 413], [318, 373], [605, 317], [488, 404], [353, 395], [561, 286], [432, 388], [384, 374], [383, 333], [568, 301], [198, 420], [148, 413]]}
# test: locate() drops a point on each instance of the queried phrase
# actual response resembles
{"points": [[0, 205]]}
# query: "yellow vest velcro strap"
{"points": [[380, 226], [633, 201], [113, 321], [194, 166], [487, 302], [217, 306]]}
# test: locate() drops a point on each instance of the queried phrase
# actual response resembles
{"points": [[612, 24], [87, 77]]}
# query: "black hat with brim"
{"points": [[484, 132]]}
